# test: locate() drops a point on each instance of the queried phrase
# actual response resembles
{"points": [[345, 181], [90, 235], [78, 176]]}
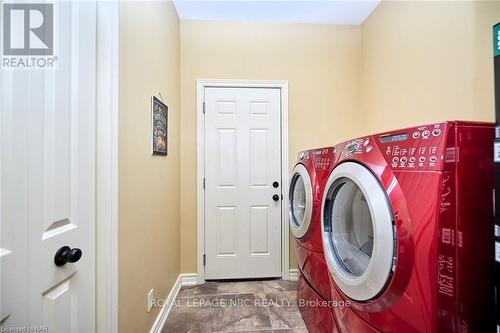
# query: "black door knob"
{"points": [[276, 184], [66, 254], [276, 197]]}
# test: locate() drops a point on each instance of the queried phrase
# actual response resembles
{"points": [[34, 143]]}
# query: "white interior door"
{"points": [[47, 135], [242, 161]]}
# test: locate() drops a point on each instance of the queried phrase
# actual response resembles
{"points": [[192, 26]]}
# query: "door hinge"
{"points": [[204, 107], [204, 260], [203, 182]]}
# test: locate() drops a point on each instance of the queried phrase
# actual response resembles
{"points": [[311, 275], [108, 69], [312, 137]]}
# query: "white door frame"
{"points": [[200, 163], [107, 168]]}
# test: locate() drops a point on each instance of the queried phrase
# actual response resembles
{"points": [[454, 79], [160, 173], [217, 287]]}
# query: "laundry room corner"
{"points": [[149, 216]]}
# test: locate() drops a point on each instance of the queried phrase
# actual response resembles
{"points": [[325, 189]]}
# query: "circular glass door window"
{"points": [[300, 197], [352, 228], [357, 231]]}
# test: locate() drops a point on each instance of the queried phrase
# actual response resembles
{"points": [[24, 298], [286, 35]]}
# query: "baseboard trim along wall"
{"points": [[188, 279], [162, 316], [293, 274], [185, 279]]}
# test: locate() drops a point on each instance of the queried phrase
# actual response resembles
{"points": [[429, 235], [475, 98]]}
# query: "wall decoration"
{"points": [[159, 118]]}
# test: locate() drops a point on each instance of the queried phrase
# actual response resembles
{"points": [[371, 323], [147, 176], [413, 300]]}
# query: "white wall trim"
{"points": [[183, 280], [165, 310], [200, 162], [107, 167], [189, 279], [293, 274]]}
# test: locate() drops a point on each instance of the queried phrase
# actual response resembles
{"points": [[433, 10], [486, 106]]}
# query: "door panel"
{"points": [[48, 181], [58, 305], [226, 158], [242, 160], [226, 231], [259, 153], [259, 237]]}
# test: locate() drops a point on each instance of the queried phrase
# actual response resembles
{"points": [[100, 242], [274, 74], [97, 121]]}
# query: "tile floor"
{"points": [[251, 306]]}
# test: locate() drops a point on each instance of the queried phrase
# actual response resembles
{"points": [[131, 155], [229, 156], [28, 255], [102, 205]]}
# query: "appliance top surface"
{"points": [[428, 147]]}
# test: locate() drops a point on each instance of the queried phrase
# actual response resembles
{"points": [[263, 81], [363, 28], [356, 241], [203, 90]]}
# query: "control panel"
{"points": [[321, 158], [419, 148]]}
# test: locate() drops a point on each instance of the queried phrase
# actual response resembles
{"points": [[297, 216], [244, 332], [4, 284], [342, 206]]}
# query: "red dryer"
{"points": [[306, 188], [406, 229]]}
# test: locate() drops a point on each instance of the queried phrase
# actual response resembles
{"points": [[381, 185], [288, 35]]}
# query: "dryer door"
{"points": [[357, 231], [301, 200]]}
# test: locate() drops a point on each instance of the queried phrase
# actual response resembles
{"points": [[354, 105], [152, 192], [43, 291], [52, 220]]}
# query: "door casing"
{"points": [[107, 167], [200, 165]]}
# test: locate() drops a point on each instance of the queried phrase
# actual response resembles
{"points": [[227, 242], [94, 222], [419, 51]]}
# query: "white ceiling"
{"points": [[316, 12]]}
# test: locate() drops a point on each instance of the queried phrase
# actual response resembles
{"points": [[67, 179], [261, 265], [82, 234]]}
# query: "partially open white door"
{"points": [[47, 136], [243, 183]]}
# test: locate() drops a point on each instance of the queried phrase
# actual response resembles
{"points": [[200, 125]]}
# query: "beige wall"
{"points": [[148, 186], [427, 61], [321, 64]]}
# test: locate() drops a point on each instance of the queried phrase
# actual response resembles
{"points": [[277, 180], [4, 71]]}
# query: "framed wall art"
{"points": [[159, 126]]}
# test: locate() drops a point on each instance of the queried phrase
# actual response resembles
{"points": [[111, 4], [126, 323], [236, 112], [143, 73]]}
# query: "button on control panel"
{"points": [[436, 132], [322, 158], [420, 148]]}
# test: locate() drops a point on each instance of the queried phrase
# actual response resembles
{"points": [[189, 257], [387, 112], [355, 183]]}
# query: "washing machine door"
{"points": [[300, 201], [357, 231]]}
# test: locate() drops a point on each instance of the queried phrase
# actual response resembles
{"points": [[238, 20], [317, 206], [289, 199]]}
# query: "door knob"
{"points": [[276, 184], [276, 197], [66, 254]]}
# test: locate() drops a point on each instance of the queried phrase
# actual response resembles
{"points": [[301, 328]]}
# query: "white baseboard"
{"points": [[293, 274], [185, 279], [162, 316], [189, 279]]}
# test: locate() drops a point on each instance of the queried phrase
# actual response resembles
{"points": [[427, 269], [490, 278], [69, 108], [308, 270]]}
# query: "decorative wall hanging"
{"points": [[159, 119]]}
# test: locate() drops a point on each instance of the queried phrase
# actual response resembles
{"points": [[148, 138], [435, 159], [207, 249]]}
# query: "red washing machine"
{"points": [[406, 230], [306, 188]]}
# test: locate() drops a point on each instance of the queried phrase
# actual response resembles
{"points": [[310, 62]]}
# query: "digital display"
{"points": [[394, 138]]}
